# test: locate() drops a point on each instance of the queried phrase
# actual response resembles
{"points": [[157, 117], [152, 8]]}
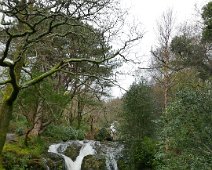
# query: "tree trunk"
{"points": [[9, 96], [80, 107], [5, 117], [165, 94], [34, 131], [37, 126]]}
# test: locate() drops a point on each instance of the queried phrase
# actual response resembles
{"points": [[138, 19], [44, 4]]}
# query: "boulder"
{"points": [[73, 151], [11, 137], [103, 135], [54, 161], [92, 162]]}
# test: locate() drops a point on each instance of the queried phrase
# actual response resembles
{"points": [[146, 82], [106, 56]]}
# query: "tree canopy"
{"points": [[41, 38]]}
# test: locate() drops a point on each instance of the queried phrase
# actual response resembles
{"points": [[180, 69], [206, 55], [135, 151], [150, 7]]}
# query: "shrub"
{"points": [[185, 138], [141, 153], [64, 133]]}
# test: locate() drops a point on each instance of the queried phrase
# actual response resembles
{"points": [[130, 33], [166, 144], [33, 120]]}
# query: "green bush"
{"points": [[14, 161], [141, 153], [64, 133], [185, 137]]}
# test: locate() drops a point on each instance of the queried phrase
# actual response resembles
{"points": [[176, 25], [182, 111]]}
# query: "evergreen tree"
{"points": [[138, 127]]}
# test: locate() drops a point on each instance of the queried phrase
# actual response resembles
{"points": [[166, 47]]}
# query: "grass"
{"points": [[16, 156]]}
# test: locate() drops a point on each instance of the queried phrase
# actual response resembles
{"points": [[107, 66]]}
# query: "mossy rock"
{"points": [[11, 137], [103, 135], [73, 151], [54, 161], [91, 162], [35, 164]]}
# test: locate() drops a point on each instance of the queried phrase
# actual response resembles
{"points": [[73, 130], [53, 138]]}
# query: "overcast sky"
{"points": [[146, 13]]}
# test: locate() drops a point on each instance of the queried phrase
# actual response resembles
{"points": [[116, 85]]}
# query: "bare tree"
{"points": [[162, 54]]}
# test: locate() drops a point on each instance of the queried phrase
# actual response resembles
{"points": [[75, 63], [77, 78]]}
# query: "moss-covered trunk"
{"points": [[6, 108], [5, 117], [10, 94]]}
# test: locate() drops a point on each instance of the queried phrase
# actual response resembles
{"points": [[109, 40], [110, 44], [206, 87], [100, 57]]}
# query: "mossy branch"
{"points": [[42, 76], [5, 82], [57, 68]]}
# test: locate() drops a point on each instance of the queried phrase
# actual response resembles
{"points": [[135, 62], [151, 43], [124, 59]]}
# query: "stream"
{"points": [[111, 151]]}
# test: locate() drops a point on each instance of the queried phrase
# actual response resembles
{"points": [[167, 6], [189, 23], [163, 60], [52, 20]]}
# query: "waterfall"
{"points": [[112, 154], [111, 161], [85, 150], [45, 162], [111, 151]]}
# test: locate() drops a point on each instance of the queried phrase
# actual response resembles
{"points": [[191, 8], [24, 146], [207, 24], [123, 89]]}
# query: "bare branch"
{"points": [[5, 82], [2, 63]]}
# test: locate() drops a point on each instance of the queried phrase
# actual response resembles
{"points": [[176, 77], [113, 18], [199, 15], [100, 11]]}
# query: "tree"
{"points": [[112, 111], [28, 24], [190, 52], [137, 125], [78, 79], [186, 125], [162, 54], [138, 110], [41, 108], [207, 17], [192, 49]]}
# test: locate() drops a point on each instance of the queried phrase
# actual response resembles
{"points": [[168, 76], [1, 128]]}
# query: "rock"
{"points": [[73, 150], [92, 162], [11, 137], [54, 161], [103, 135], [35, 164]]}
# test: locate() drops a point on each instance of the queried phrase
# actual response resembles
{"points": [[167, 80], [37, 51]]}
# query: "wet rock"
{"points": [[54, 162], [91, 162], [73, 150]]}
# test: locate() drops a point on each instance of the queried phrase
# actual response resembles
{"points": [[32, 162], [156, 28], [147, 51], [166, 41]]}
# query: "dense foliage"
{"points": [[138, 125], [138, 110], [207, 16], [185, 138]]}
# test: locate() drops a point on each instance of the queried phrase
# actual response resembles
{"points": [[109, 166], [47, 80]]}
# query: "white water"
{"points": [[111, 157], [111, 161], [85, 150], [111, 153]]}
